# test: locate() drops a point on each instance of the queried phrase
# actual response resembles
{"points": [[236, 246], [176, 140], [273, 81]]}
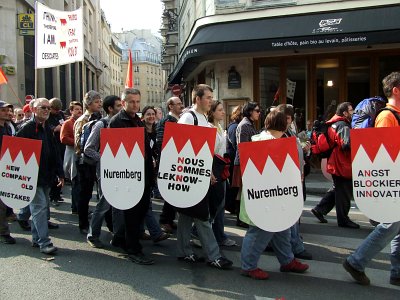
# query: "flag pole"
{"points": [[16, 96]]}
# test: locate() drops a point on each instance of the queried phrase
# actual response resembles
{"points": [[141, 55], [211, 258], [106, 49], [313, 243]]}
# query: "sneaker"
{"points": [[161, 238], [221, 263], [228, 243], [24, 225], [166, 228], [255, 274], [7, 239], [54, 202], [95, 242], [49, 249], [140, 259], [192, 258], [358, 276], [304, 255], [394, 281], [319, 216], [294, 266]]}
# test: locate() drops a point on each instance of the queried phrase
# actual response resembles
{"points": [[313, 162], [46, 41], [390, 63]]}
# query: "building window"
{"points": [[137, 82], [136, 68]]}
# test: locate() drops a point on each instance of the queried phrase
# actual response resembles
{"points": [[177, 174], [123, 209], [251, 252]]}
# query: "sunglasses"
{"points": [[257, 110], [44, 107]]}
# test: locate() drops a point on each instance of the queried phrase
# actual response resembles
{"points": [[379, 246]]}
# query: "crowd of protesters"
{"points": [[65, 155]]}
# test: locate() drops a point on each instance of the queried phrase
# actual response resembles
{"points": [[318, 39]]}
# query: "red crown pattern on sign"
{"points": [[277, 150], [15, 145], [197, 135], [128, 137], [372, 138]]}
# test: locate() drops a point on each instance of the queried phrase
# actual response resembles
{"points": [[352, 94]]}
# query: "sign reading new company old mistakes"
{"points": [[19, 167], [122, 166], [185, 165], [376, 172], [272, 187]]}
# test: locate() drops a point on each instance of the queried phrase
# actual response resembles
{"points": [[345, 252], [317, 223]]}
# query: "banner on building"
{"points": [[58, 37], [122, 166], [186, 162], [272, 187], [19, 167], [376, 172]]}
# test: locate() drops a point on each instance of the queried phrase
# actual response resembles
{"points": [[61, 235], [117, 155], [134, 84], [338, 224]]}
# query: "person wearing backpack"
{"points": [[383, 233], [339, 162], [87, 172], [111, 105]]}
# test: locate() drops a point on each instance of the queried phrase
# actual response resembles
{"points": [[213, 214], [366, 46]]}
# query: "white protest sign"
{"points": [[19, 167], [376, 172], [58, 36], [186, 163], [122, 166], [272, 187]]}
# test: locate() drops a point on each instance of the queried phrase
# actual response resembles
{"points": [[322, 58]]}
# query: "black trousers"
{"points": [[87, 177], [340, 197], [168, 213], [134, 218]]}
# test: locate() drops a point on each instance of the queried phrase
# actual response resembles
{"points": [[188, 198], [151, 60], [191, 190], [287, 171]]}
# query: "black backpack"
{"points": [[321, 144]]}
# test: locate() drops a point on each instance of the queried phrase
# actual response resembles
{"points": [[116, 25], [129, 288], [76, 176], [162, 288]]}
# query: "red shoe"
{"points": [[295, 266], [256, 274]]}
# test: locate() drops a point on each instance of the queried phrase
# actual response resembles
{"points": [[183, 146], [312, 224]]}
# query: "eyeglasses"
{"points": [[256, 110], [44, 107], [20, 115]]}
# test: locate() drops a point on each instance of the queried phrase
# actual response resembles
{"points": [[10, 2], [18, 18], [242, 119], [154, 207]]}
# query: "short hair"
{"points": [[146, 108], [237, 115], [129, 91], [389, 82], [248, 108], [74, 103], [90, 97], [198, 91], [37, 101], [212, 110], [55, 103], [170, 101], [109, 101], [276, 120], [287, 109], [342, 107]]}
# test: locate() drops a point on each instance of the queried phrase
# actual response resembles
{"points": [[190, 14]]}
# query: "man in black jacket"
{"points": [[5, 236], [134, 216], [50, 166]]}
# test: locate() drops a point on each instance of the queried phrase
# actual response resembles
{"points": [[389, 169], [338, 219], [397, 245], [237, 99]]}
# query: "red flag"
{"points": [[129, 74], [3, 78]]}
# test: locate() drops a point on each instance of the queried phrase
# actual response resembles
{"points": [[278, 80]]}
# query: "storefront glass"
{"points": [[327, 76], [296, 89], [358, 79]]}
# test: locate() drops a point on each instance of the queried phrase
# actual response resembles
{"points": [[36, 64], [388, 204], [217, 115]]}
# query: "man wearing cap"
{"points": [[87, 172], [50, 166], [5, 236]]}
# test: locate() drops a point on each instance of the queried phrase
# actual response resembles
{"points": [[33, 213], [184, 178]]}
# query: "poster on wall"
{"points": [[122, 166], [186, 163], [376, 172], [272, 187], [19, 168], [58, 36]]}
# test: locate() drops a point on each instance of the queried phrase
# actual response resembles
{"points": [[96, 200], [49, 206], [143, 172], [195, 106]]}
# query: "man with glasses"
{"points": [[175, 107], [50, 167]]}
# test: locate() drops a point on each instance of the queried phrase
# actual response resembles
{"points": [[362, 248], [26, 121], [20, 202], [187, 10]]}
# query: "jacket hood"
{"points": [[337, 118]]}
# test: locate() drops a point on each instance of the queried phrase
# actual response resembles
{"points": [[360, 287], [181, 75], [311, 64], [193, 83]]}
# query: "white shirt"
{"points": [[187, 118]]}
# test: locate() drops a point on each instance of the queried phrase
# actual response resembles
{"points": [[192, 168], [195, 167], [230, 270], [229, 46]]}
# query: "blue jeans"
{"points": [[295, 239], [25, 212], [374, 243], [100, 211], [218, 225], [152, 224], [206, 236], [39, 210], [256, 240]]}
